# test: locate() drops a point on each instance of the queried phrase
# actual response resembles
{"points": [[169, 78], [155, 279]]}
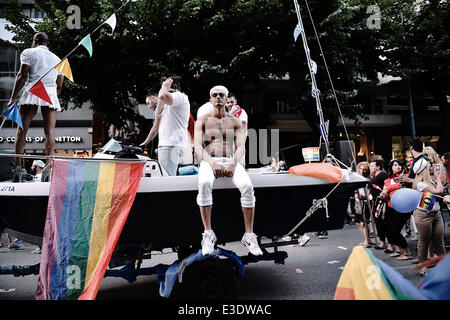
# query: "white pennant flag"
{"points": [[112, 22], [314, 66], [297, 31]]}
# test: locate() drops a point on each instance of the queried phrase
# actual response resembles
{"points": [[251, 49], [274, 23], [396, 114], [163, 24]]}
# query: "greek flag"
{"points": [[297, 31], [313, 91], [324, 129], [313, 66]]}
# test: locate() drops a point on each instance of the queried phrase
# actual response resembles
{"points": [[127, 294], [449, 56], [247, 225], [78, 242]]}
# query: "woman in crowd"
{"points": [[376, 185], [428, 217], [395, 220], [436, 161], [362, 169]]}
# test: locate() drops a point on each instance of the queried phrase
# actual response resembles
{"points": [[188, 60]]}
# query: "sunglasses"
{"points": [[220, 94]]}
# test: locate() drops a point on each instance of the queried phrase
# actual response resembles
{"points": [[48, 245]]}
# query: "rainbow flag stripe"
{"points": [[427, 201], [88, 205]]}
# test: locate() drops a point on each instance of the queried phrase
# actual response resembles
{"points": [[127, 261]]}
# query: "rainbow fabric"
{"points": [[367, 278], [364, 279], [427, 201], [88, 205]]}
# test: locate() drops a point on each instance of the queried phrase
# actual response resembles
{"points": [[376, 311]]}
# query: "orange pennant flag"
{"points": [[64, 68]]}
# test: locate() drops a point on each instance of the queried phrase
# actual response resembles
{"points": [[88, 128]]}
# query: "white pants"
{"points": [[240, 179]]}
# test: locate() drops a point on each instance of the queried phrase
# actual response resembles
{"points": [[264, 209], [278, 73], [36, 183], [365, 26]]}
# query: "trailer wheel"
{"points": [[211, 279]]}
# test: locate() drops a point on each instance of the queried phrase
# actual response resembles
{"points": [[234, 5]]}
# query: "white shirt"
{"points": [[41, 60], [174, 122]]}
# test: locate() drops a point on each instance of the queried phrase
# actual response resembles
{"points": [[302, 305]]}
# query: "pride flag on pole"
{"points": [[88, 205]]}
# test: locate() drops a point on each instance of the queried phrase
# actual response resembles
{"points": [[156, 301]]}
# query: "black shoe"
{"points": [[323, 235], [387, 251]]}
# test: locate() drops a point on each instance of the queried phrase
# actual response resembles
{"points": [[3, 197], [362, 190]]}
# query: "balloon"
{"points": [[405, 200]]}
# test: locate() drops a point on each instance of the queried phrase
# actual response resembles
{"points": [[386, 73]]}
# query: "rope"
{"points": [[331, 81]]}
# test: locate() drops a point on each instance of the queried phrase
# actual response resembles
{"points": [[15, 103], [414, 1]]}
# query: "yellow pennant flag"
{"points": [[64, 68]]}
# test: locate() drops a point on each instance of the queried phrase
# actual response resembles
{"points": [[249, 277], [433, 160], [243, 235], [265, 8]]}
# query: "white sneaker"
{"points": [[304, 240], [36, 251], [208, 242], [249, 240]]}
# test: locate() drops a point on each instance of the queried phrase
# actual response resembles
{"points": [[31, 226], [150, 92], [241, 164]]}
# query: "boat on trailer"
{"points": [[165, 213]]}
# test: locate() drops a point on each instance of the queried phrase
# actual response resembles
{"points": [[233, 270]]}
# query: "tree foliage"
{"points": [[238, 43]]}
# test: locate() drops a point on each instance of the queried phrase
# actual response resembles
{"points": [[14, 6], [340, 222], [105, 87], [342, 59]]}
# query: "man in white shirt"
{"points": [[34, 63], [172, 109]]}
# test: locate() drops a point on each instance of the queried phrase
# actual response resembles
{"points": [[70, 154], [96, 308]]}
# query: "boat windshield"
{"points": [[111, 146]]}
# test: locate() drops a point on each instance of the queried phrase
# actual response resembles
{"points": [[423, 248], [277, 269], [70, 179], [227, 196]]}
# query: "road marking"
{"points": [[333, 262], [7, 290], [341, 268], [343, 248]]}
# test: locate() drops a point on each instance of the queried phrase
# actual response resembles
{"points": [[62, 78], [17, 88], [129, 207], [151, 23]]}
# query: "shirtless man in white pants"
{"points": [[213, 144]]}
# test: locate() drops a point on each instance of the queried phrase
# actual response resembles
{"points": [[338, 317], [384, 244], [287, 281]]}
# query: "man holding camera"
{"points": [[172, 117]]}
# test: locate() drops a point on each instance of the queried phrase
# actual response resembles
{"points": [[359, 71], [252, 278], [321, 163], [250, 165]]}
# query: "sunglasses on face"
{"points": [[215, 94]]}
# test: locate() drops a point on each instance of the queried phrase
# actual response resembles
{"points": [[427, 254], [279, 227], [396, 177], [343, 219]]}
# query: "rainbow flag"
{"points": [[88, 205], [364, 278], [427, 201]]}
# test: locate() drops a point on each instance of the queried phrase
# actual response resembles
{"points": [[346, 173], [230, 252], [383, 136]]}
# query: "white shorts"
{"points": [[240, 179]]}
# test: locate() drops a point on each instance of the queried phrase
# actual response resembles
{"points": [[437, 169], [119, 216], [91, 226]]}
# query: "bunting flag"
{"points": [[367, 278], [39, 91], [87, 43], [313, 91], [13, 114], [64, 68], [88, 205], [314, 66], [324, 129], [112, 22], [297, 31]]}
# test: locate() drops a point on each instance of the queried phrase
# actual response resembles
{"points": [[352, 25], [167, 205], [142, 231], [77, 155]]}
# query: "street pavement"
{"points": [[310, 272]]}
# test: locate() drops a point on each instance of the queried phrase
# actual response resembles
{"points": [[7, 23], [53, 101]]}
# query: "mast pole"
{"points": [[311, 72]]}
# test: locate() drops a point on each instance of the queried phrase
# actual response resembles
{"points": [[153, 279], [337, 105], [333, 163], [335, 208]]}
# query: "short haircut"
{"points": [[151, 94], [40, 38], [231, 95], [378, 162], [416, 144]]}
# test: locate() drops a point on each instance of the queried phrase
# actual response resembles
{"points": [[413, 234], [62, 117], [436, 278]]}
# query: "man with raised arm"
{"points": [[213, 145]]}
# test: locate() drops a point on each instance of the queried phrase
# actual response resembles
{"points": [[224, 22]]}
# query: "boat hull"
{"points": [[165, 212]]}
